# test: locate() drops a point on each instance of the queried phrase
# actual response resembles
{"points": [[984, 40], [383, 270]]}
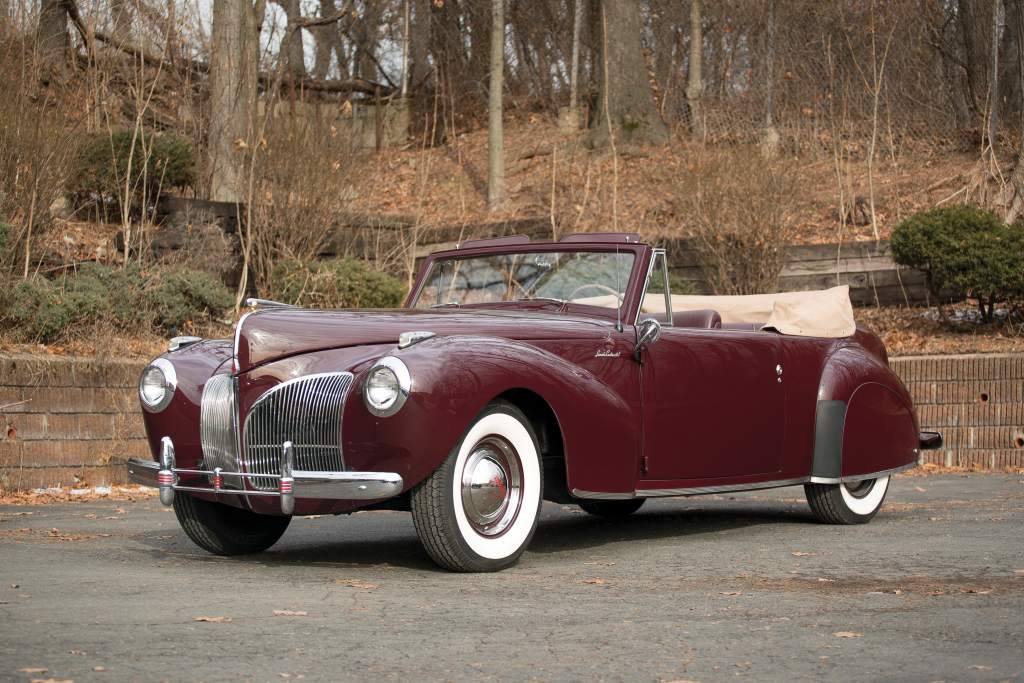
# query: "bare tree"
{"points": [[495, 141], [695, 72], [53, 40], [234, 81], [291, 41], [628, 101]]}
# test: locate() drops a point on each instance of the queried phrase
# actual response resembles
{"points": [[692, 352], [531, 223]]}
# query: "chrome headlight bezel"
{"points": [[403, 379], [169, 382]]}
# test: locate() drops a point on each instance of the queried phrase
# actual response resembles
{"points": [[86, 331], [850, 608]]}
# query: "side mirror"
{"points": [[650, 332]]}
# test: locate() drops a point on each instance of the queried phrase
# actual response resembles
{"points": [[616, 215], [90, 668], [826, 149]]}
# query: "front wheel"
{"points": [[849, 503], [478, 510], [226, 530]]}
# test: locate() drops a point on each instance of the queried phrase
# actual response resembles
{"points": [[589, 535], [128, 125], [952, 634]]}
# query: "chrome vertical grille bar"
{"points": [[217, 415], [305, 411]]}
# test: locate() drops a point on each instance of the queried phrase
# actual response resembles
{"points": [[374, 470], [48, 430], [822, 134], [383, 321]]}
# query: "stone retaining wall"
{"points": [[975, 401], [72, 420], [68, 421]]}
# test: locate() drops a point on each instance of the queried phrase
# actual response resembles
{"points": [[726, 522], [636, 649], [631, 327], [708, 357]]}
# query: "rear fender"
{"points": [[865, 421], [454, 377]]}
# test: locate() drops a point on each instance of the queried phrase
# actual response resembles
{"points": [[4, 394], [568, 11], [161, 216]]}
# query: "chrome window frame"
{"points": [[655, 255]]}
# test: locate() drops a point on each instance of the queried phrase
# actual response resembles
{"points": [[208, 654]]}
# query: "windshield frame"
{"points": [[625, 313]]}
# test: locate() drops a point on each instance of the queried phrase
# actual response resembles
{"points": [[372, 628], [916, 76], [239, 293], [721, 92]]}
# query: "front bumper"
{"points": [[292, 483]]}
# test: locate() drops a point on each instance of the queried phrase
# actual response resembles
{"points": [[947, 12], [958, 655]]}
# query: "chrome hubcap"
{"points": [[859, 489], [491, 486]]}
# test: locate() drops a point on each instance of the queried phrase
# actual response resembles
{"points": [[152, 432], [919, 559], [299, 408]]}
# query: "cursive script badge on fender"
{"points": [[607, 354]]}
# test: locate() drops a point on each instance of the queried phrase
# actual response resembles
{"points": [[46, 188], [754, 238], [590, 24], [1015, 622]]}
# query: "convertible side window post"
{"points": [[657, 278], [668, 292]]}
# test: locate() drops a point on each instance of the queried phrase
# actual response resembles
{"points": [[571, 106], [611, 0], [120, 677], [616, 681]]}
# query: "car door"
{"points": [[713, 401], [713, 405]]}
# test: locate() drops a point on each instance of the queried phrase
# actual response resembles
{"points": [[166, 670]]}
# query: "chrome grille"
{"points": [[305, 411], [217, 431]]}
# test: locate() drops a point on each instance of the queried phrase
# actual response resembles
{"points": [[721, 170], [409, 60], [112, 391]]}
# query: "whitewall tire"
{"points": [[478, 511], [854, 502]]}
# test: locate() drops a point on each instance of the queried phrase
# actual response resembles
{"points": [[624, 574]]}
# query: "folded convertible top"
{"points": [[821, 313]]}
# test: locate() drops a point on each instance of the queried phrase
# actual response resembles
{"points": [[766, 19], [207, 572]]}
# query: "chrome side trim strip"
{"points": [[885, 473], [700, 490], [655, 493]]}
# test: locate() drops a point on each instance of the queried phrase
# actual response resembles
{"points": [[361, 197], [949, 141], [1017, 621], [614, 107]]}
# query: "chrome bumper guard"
{"points": [[292, 483]]}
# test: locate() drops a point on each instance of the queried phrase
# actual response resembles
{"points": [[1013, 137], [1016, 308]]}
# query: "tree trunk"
{"points": [[695, 72], [291, 41], [577, 24], [233, 91], [329, 45], [1015, 210], [481, 25], [976, 33], [628, 102], [53, 40], [495, 141]]}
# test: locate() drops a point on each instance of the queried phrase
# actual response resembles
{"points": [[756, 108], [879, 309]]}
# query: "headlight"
{"points": [[386, 386], [157, 385]]}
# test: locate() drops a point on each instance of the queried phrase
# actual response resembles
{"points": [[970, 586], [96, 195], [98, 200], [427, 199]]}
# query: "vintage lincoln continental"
{"points": [[517, 373]]}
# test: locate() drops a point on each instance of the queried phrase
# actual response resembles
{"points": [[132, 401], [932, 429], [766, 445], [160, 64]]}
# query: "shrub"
{"points": [[130, 299], [334, 284], [736, 206], [101, 165], [966, 250]]}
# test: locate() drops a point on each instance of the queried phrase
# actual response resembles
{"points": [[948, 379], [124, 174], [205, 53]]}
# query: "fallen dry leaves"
{"points": [[290, 613], [217, 620], [597, 581], [847, 634]]}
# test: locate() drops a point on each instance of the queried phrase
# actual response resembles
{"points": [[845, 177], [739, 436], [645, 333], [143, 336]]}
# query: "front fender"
{"points": [[865, 421], [454, 377]]}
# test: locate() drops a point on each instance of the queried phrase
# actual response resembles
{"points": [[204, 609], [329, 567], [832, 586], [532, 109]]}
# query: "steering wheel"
{"points": [[618, 296]]}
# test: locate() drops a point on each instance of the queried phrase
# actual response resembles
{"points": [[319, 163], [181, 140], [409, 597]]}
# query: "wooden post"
{"points": [[380, 122]]}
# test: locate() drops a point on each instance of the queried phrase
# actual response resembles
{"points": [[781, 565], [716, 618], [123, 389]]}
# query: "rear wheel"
{"points": [[227, 530], [478, 510], [612, 508], [854, 502]]}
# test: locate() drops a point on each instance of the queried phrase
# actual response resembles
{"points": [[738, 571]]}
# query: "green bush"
{"points": [[131, 299], [101, 165], [334, 284], [966, 250]]}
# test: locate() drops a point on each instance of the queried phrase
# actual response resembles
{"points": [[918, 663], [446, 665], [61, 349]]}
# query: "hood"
{"points": [[267, 335]]}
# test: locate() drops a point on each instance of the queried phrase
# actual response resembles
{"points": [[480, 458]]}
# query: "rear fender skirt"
{"points": [[865, 420]]}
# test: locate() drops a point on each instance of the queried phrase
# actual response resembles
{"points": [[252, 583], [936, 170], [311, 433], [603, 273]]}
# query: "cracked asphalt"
{"points": [[713, 588]]}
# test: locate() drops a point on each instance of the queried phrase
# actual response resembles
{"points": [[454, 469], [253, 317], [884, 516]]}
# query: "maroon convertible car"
{"points": [[517, 373]]}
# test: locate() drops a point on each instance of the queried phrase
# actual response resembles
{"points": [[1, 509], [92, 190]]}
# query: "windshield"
{"points": [[597, 278]]}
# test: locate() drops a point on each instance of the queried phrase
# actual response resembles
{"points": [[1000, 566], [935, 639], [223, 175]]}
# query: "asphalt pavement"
{"points": [[712, 588]]}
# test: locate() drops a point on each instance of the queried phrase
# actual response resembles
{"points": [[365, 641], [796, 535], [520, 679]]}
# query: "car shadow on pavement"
{"points": [[390, 540], [661, 521]]}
